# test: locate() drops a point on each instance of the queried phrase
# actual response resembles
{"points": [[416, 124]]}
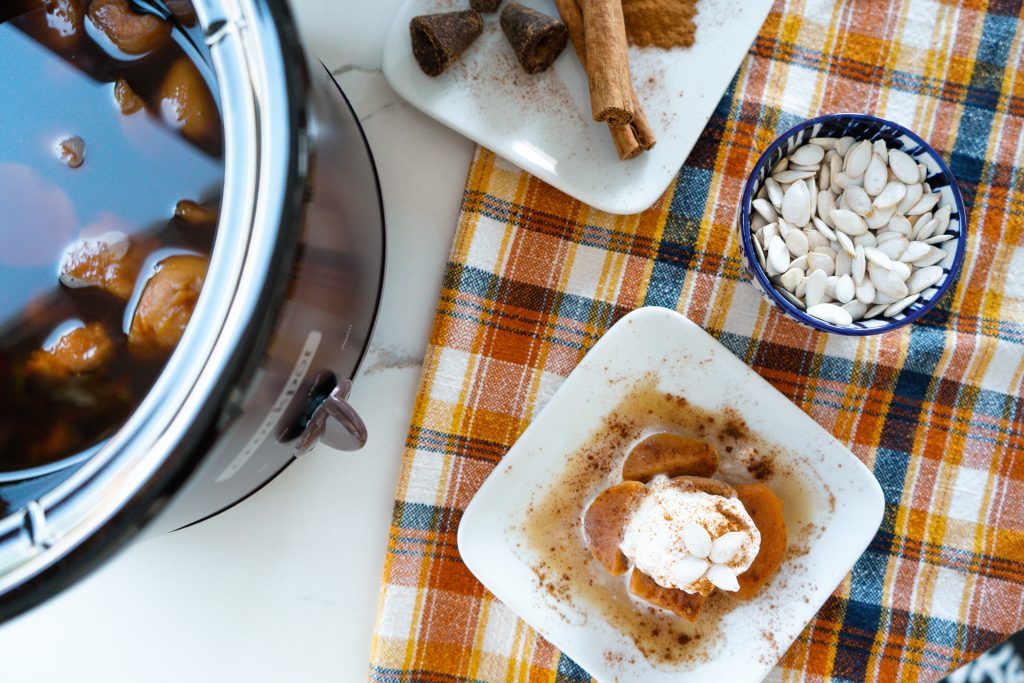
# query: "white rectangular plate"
{"points": [[833, 504], [542, 123]]}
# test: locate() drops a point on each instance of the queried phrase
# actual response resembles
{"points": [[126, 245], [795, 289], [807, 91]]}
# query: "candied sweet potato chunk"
{"points": [[167, 302], [669, 454], [765, 508], [107, 262], [605, 521], [686, 605], [133, 32], [81, 350], [186, 104]]}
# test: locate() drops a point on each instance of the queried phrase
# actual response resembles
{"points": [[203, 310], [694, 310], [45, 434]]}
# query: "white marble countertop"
{"points": [[284, 586]]}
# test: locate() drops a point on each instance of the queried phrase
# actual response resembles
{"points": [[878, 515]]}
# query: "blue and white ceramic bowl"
{"points": [[860, 127]]}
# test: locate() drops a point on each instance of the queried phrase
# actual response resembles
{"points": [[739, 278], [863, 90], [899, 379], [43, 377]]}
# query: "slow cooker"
{"points": [[263, 370]]}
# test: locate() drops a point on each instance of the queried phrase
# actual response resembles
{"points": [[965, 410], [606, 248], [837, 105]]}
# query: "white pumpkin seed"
{"points": [[824, 176], [808, 155], [938, 239], [844, 263], [865, 292], [784, 228], [941, 217], [878, 218], [844, 144], [816, 261], [913, 195], [875, 310], [891, 195], [797, 243], [899, 224], [791, 278], [800, 263], [904, 166], [815, 293], [857, 200], [901, 305], [845, 289], [786, 177], [848, 222], [780, 166], [801, 288], [900, 270], [774, 192], [859, 264], [819, 225], [759, 253], [817, 240], [886, 283], [868, 239], [856, 308], [924, 204], [886, 236], [923, 170], [765, 209], [936, 255], [778, 257], [925, 230], [824, 143], [826, 204], [830, 288], [830, 313], [876, 176], [857, 159], [845, 242], [914, 251], [878, 257], [893, 248], [880, 149], [845, 180], [923, 278], [796, 205]]}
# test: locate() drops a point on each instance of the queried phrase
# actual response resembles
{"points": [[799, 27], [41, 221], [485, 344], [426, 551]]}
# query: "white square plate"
{"points": [[542, 123], [833, 505]]}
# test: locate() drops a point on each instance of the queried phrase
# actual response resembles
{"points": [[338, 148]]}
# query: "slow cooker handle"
{"points": [[335, 423]]}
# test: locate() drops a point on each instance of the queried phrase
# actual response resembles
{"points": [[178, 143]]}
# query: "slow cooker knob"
{"points": [[335, 423]]}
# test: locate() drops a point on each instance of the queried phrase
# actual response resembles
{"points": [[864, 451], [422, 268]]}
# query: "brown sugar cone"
{"points": [[632, 139], [611, 91], [485, 5], [439, 39], [536, 38]]}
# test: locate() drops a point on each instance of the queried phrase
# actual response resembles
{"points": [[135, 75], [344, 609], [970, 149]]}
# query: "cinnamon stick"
{"points": [[608, 60], [633, 138]]}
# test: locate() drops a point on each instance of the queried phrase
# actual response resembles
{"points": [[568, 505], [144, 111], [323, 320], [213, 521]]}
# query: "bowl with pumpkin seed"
{"points": [[852, 224]]}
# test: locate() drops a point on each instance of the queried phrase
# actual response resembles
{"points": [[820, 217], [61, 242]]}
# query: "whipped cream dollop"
{"points": [[690, 539]]}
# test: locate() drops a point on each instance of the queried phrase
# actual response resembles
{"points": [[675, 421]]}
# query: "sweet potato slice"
{"points": [[686, 605], [669, 454], [713, 487], [765, 508], [605, 521]]}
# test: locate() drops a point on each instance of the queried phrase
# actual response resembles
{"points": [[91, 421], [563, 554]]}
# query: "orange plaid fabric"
{"points": [[935, 409]]}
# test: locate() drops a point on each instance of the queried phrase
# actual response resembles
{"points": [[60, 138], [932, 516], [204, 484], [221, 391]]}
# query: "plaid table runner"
{"points": [[935, 410]]}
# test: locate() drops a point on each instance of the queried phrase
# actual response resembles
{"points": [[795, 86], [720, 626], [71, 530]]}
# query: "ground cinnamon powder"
{"points": [[660, 23]]}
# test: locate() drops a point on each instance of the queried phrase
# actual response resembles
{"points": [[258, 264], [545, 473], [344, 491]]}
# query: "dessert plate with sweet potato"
{"points": [[668, 515]]}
